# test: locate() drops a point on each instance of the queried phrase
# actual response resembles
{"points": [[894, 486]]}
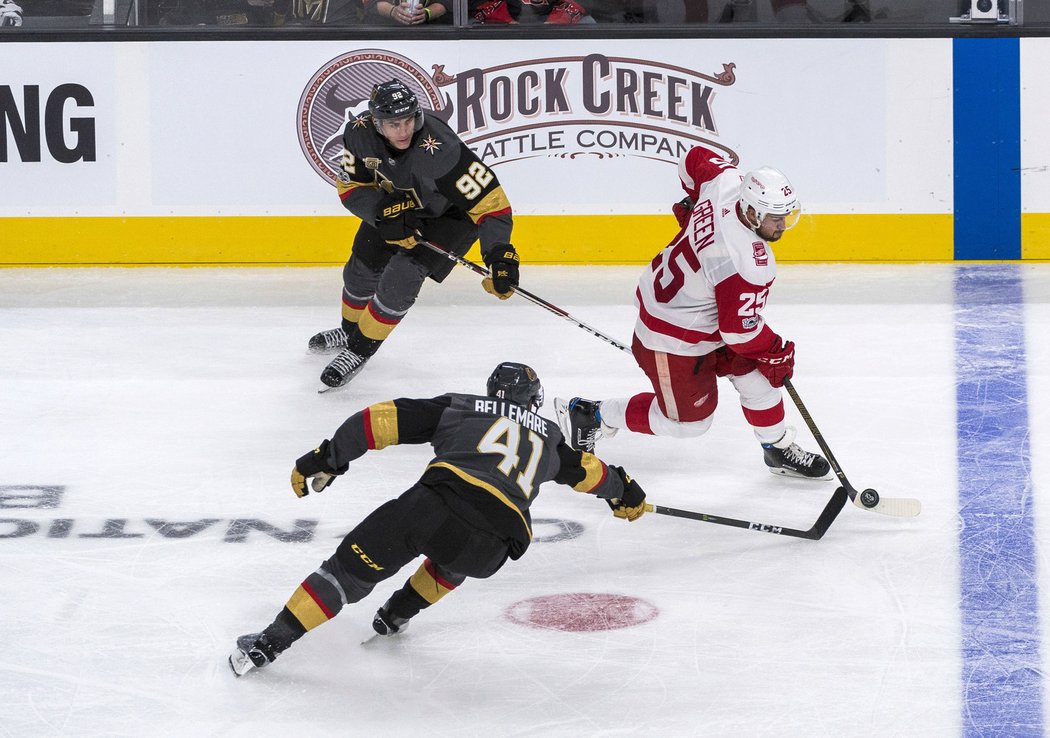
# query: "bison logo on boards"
{"points": [[560, 107], [339, 92]]}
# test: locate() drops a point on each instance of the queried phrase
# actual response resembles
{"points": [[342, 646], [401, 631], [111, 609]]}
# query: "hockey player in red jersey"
{"points": [[405, 173], [468, 513], [700, 307]]}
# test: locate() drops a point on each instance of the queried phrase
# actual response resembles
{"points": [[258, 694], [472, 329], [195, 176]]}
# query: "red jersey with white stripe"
{"points": [[707, 288]]}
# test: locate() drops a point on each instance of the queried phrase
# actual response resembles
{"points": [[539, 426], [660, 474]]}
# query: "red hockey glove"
{"points": [[778, 362], [630, 505], [682, 209]]}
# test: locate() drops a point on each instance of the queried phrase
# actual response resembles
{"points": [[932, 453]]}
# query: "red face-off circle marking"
{"points": [[577, 612]]}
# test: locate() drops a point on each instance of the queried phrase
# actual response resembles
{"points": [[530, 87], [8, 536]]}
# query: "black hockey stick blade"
{"points": [[815, 533]]}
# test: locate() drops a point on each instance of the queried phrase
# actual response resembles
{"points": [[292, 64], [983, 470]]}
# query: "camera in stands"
{"points": [[984, 10]]}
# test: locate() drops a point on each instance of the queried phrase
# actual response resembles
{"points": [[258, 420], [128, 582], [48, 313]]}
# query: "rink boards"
{"points": [[226, 152]]}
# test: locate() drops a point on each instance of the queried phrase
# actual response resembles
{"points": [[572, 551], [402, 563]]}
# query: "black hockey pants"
{"points": [[419, 522], [391, 276]]}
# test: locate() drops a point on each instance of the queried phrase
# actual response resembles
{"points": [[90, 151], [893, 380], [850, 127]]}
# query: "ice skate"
{"points": [[342, 368], [785, 457], [581, 423], [252, 652], [386, 623], [328, 341]]}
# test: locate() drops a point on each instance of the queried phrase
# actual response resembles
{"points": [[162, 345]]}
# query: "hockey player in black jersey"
{"points": [[404, 173], [467, 514]]}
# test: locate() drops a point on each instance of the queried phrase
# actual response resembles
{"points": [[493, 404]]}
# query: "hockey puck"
{"points": [[577, 612], [869, 498]]}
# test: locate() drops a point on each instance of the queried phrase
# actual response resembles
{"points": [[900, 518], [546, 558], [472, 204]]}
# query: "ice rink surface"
{"points": [[149, 419]]}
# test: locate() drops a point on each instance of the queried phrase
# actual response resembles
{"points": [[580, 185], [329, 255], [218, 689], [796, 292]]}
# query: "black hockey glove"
{"points": [[631, 504], [502, 261], [313, 466], [682, 210], [396, 219]]}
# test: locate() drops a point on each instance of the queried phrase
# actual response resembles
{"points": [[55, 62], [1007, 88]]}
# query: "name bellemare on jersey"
{"points": [[491, 456]]}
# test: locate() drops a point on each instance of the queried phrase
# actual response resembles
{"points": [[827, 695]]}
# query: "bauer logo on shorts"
{"points": [[565, 107]]}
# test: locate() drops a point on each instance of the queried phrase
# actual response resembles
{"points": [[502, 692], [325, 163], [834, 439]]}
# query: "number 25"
{"points": [[751, 303]]}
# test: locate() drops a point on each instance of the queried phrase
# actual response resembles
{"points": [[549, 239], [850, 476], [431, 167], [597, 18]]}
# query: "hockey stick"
{"points": [[869, 499], [477, 269], [827, 517], [830, 511]]}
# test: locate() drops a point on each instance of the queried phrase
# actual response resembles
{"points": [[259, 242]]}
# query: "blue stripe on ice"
{"points": [[1002, 687]]}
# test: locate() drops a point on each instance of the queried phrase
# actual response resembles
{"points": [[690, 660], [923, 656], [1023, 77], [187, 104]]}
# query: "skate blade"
{"points": [[246, 667], [325, 389], [795, 475]]}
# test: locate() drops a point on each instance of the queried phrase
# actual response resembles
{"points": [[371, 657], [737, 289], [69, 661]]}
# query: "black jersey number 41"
{"points": [[505, 437]]}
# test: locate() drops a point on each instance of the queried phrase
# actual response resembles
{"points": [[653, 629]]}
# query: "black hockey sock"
{"points": [[280, 634], [358, 343], [406, 602]]}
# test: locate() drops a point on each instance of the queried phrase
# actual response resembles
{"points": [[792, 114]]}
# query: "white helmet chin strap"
{"points": [[755, 224]]}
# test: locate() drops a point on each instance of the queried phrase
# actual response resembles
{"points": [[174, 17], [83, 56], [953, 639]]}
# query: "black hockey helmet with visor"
{"points": [[516, 383], [393, 101]]}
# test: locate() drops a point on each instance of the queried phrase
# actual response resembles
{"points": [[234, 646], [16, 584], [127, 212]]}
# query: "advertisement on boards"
{"points": [[244, 130]]}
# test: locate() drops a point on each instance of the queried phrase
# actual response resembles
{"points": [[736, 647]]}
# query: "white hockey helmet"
{"points": [[769, 192]]}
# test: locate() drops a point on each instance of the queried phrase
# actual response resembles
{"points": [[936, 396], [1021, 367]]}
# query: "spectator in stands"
{"points": [[550, 12], [675, 12], [492, 12], [10, 14], [259, 13], [408, 12], [316, 12], [56, 12]]}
